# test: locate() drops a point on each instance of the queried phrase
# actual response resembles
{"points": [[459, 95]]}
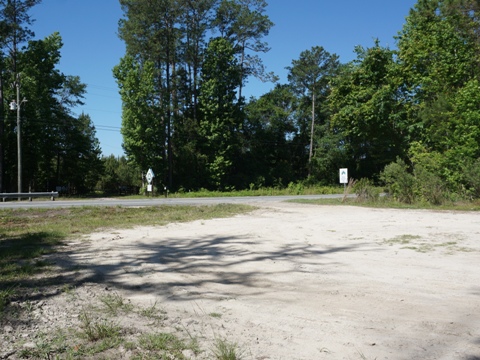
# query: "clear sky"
{"points": [[92, 48]]}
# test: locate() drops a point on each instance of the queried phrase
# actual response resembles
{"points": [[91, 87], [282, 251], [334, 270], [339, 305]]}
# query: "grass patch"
{"points": [[114, 303], [152, 312], [225, 350], [388, 203], [291, 189], [94, 330], [163, 345], [414, 242], [403, 239]]}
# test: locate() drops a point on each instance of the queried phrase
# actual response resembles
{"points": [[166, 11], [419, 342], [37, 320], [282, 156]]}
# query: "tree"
{"points": [[438, 56], [119, 176], [244, 23], [438, 48], [14, 30], [152, 33], [79, 163], [170, 38], [367, 108], [221, 115], [268, 130], [197, 20], [141, 114], [310, 76]]}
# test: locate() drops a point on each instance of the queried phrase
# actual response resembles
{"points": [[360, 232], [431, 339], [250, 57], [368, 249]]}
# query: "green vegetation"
{"points": [[100, 336], [389, 202], [399, 118], [225, 350]]}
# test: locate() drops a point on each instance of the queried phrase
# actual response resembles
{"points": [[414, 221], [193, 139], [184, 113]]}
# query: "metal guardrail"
{"points": [[30, 195]]}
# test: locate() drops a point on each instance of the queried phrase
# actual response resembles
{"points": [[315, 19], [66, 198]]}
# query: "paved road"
{"points": [[156, 201]]}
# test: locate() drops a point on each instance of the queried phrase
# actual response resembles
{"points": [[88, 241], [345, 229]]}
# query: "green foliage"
{"points": [[438, 60], [58, 149], [119, 176], [400, 183], [366, 190], [367, 111], [244, 24], [428, 167], [268, 134], [114, 303], [163, 341], [225, 350], [438, 47], [221, 115], [424, 183], [472, 177], [95, 330], [143, 131], [310, 78]]}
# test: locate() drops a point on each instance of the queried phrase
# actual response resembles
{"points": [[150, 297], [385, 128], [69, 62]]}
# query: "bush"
{"points": [[366, 191], [399, 182], [429, 186], [472, 177]]}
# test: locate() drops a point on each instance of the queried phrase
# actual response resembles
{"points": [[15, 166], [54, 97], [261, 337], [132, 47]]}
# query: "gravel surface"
{"points": [[286, 281]]}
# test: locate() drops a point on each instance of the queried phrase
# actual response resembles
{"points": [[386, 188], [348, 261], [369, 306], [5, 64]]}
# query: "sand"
{"points": [[291, 281]]}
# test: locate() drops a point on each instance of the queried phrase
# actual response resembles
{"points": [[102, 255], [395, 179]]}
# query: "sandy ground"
{"points": [[292, 281]]}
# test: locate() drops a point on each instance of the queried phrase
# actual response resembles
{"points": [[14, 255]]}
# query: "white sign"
{"points": [[149, 188], [343, 176], [150, 176]]}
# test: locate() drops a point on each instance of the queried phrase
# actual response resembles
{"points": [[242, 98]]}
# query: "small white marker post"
{"points": [[343, 177]]}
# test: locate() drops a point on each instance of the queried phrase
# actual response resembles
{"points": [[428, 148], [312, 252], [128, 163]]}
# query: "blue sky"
{"points": [[92, 48]]}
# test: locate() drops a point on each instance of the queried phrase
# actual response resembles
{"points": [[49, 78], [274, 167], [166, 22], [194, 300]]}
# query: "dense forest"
{"points": [[407, 117]]}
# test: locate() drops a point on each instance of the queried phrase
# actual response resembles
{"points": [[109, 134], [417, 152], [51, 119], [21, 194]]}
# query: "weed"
{"points": [[94, 331], [5, 296], [46, 348], [115, 302], [224, 350], [167, 344], [28, 305], [152, 312], [348, 189], [68, 289], [215, 315]]}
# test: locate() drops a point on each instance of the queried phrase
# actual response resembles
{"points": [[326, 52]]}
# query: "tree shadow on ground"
{"points": [[162, 266], [174, 268]]}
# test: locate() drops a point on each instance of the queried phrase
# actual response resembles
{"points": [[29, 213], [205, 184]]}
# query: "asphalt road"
{"points": [[156, 201]]}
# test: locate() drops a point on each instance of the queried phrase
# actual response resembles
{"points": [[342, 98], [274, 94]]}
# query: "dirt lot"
{"points": [[292, 281]]}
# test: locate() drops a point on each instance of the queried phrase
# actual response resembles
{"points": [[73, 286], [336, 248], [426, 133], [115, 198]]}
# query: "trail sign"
{"points": [[150, 176], [343, 176]]}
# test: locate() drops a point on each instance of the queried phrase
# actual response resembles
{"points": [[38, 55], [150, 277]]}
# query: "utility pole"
{"points": [[16, 105]]}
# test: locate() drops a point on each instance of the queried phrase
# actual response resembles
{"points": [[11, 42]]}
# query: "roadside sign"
{"points": [[150, 176], [344, 176]]}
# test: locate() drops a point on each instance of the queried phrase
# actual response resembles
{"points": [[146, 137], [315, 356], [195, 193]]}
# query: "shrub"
{"points": [[399, 182], [472, 177], [366, 191], [429, 186]]}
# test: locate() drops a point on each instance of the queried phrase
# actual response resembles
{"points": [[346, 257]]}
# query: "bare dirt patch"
{"points": [[287, 281]]}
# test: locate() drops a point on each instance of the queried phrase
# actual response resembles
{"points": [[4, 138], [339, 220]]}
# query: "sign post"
{"points": [[344, 177], [150, 176]]}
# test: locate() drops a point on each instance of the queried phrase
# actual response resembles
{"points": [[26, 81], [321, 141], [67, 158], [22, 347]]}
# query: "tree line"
{"points": [[406, 117], [58, 149]]}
